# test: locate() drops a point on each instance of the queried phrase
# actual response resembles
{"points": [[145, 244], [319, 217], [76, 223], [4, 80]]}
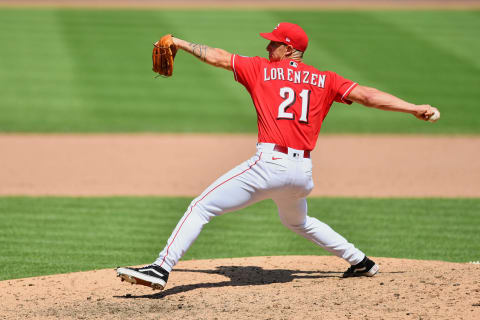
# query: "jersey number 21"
{"points": [[290, 97]]}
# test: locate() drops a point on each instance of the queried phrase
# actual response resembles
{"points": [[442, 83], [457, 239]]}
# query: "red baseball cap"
{"points": [[288, 33]]}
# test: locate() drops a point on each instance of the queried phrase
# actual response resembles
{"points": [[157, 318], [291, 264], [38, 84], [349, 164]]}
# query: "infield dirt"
{"points": [[184, 165]]}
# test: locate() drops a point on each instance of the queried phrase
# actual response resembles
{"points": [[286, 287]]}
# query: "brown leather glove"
{"points": [[163, 55]]}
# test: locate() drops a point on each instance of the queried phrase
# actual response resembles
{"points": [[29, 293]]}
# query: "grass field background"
{"points": [[57, 235], [85, 70]]}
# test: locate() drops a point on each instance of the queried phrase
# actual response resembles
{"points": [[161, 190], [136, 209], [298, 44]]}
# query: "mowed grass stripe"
{"points": [[48, 235], [74, 70], [435, 26]]}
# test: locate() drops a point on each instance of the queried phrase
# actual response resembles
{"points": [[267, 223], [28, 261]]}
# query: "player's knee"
{"points": [[203, 210], [295, 226]]}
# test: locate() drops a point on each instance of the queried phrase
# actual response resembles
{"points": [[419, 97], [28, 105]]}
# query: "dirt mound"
{"points": [[290, 287]]}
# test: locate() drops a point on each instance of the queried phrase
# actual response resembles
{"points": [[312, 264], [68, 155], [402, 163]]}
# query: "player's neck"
{"points": [[294, 56], [296, 59]]}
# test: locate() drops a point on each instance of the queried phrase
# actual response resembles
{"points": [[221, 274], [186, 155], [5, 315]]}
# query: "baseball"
{"points": [[434, 117]]}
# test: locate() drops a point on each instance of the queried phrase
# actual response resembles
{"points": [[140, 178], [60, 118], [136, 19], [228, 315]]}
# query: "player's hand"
{"points": [[425, 112]]}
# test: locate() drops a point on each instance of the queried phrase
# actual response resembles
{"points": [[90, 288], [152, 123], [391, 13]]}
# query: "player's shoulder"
{"points": [[253, 59]]}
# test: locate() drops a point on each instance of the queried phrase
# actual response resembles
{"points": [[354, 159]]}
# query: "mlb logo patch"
{"points": [[293, 64]]}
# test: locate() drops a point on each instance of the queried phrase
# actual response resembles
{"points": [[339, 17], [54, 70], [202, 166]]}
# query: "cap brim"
{"points": [[270, 36]]}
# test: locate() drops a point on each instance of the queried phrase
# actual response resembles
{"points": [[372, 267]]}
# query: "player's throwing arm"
{"points": [[374, 98]]}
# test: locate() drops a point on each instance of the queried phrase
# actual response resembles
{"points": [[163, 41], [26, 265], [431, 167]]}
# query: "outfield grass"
{"points": [[76, 70], [49, 235]]}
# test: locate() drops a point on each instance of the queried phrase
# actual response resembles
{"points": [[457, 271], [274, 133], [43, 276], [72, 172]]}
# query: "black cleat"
{"points": [[151, 276], [366, 268]]}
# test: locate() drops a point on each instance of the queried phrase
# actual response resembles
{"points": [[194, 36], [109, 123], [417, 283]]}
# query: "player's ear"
{"points": [[290, 50]]}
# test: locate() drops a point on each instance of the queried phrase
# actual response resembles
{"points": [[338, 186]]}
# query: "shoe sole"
{"points": [[370, 273], [135, 277]]}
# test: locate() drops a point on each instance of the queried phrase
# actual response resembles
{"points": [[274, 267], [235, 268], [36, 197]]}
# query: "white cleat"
{"points": [[151, 276]]}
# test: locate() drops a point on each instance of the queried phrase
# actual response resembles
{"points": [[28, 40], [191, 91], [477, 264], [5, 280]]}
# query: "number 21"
{"points": [[290, 97]]}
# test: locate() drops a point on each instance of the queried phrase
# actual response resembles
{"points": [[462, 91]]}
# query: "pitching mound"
{"points": [[291, 287]]}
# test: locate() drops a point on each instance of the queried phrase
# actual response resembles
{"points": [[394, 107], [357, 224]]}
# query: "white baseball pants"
{"points": [[285, 178]]}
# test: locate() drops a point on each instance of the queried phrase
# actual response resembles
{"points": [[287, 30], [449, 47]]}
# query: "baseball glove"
{"points": [[163, 55]]}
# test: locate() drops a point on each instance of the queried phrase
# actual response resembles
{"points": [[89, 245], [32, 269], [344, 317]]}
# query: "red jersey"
{"points": [[290, 97]]}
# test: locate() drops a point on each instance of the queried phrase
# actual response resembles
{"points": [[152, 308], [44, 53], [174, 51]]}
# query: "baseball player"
{"points": [[291, 100]]}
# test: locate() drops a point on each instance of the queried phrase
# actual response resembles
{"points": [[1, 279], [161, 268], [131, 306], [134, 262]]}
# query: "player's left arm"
{"points": [[214, 56], [375, 98]]}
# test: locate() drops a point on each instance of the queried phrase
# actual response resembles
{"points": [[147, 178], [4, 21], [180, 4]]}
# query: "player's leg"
{"points": [[293, 214], [236, 189]]}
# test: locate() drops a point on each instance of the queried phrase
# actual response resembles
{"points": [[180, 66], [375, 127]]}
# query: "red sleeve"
{"points": [[246, 70], [342, 88]]}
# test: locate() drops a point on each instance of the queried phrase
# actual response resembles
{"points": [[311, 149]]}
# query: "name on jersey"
{"points": [[294, 76]]}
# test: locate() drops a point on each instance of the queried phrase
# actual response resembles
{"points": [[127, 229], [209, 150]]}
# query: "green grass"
{"points": [[48, 235], [74, 70]]}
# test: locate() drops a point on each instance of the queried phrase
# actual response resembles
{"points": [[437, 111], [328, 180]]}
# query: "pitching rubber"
{"points": [[134, 277]]}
